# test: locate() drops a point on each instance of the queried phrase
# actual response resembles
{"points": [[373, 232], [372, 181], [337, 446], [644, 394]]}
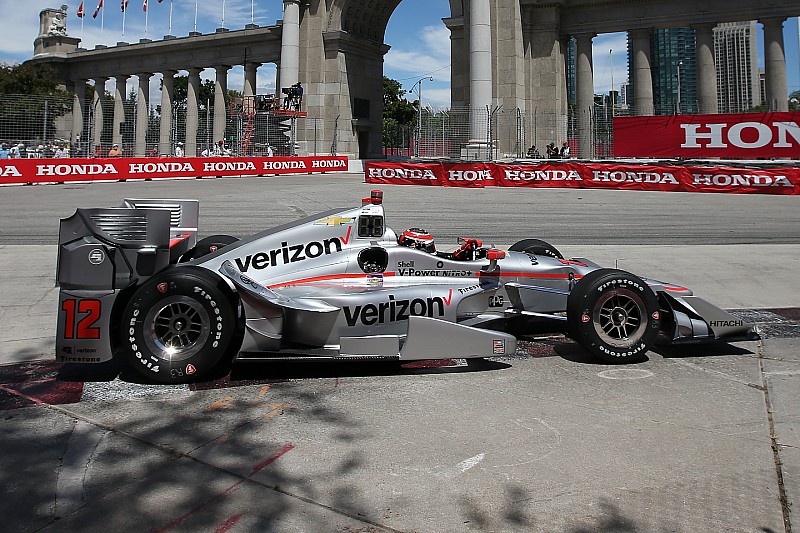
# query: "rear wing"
{"points": [[140, 237]]}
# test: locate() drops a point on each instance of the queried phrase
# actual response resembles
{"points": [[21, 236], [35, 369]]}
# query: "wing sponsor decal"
{"points": [[288, 254], [394, 310]]}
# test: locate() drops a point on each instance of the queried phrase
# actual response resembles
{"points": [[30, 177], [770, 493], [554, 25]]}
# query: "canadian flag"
{"points": [[80, 12], [144, 6], [97, 10]]}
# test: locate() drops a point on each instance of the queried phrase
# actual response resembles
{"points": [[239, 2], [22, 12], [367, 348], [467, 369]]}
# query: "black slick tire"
{"points": [[536, 247], [180, 325], [614, 315]]}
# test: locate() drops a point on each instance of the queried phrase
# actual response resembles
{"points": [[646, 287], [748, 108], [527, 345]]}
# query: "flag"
{"points": [[80, 11], [124, 5], [144, 6], [97, 11]]}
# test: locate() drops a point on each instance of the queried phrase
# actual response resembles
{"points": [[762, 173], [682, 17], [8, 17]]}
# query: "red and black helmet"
{"points": [[417, 238]]}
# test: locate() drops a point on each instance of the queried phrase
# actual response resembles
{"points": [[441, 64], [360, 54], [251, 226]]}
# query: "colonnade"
{"points": [[642, 79], [289, 68]]}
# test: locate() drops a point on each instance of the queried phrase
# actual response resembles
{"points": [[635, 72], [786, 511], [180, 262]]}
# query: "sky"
{"points": [[420, 43]]}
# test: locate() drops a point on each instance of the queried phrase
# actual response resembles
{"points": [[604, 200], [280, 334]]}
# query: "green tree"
{"points": [[30, 102], [399, 114]]}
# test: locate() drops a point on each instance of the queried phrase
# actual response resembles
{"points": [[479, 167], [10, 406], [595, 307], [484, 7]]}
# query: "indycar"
{"points": [[135, 281]]}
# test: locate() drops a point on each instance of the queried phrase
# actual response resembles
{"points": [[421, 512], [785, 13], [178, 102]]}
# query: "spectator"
{"points": [[17, 151], [220, 150], [4, 153], [179, 150], [115, 151], [98, 150], [270, 151], [61, 151], [552, 151], [533, 153], [564, 150]]}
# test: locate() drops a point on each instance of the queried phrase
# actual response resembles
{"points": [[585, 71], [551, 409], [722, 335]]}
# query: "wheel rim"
{"points": [[620, 318], [176, 328]]}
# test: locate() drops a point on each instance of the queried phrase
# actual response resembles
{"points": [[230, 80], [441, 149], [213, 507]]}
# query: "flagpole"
{"points": [[170, 17], [252, 11], [146, 15], [102, 25], [195, 16], [222, 25], [124, 11]]}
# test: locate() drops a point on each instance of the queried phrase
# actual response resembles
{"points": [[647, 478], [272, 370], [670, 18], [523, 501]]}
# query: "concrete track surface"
{"points": [[704, 438]]}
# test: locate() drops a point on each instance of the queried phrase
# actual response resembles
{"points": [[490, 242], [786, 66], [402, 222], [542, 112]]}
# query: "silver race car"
{"points": [[343, 286]]}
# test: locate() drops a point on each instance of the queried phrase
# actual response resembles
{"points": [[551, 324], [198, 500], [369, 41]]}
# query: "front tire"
{"points": [[536, 247], [179, 325], [614, 315]]}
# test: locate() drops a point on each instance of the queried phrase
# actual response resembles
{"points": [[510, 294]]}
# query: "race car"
{"points": [[341, 286]]}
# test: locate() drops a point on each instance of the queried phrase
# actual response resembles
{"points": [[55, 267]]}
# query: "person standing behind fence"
{"points": [[4, 153], [115, 151], [17, 151], [179, 150], [61, 152], [564, 150]]}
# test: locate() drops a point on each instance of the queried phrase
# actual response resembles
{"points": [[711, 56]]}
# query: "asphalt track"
{"points": [[699, 439]]}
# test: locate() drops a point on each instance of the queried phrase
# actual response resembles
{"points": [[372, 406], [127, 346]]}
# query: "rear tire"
{"points": [[179, 325], [614, 315], [536, 247], [208, 245]]}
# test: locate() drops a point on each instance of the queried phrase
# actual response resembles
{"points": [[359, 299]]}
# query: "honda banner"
{"points": [[21, 171], [746, 136], [631, 176]]}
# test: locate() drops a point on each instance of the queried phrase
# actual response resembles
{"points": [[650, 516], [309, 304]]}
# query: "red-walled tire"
{"points": [[180, 325]]}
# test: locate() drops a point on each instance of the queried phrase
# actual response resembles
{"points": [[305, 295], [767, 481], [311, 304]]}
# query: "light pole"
{"points": [[678, 107], [418, 85]]}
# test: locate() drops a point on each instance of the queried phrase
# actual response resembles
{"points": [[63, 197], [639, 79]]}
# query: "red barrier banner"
{"points": [[618, 176], [745, 136], [404, 173], [21, 171]]}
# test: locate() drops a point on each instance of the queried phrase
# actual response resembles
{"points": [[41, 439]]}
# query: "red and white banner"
{"points": [[22, 171], [746, 136], [632, 176]]}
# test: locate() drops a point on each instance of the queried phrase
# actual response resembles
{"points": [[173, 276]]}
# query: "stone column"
{"points": [[142, 115], [192, 95], [250, 79], [167, 89], [97, 109], [480, 68], [220, 103], [642, 76], [584, 93], [290, 44], [706, 69], [78, 101], [120, 92], [775, 65]]}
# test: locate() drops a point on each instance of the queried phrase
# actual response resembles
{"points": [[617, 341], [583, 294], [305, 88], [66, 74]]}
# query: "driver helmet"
{"points": [[417, 238]]}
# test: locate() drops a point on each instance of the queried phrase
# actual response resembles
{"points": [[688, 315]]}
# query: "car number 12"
{"points": [[83, 328]]}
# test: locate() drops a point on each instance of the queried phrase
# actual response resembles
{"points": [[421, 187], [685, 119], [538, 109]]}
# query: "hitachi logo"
{"points": [[748, 135], [726, 323], [396, 310], [289, 254]]}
